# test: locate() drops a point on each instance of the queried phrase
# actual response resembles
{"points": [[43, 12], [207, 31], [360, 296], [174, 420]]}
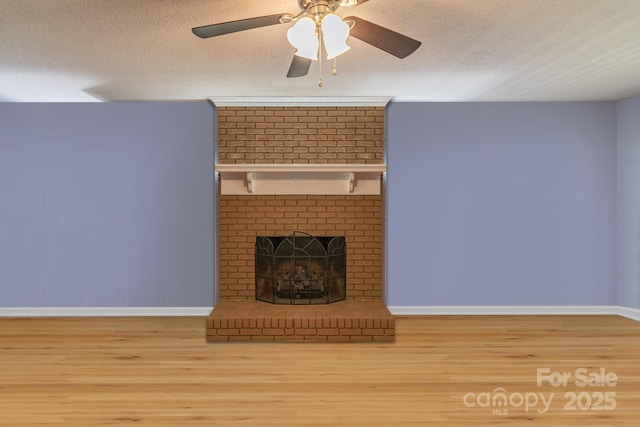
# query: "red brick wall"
{"points": [[300, 135]]}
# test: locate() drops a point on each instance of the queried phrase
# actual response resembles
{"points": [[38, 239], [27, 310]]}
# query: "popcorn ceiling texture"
{"points": [[300, 135], [473, 51]]}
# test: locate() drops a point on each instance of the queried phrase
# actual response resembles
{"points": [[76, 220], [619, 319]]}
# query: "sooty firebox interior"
{"points": [[300, 269]]}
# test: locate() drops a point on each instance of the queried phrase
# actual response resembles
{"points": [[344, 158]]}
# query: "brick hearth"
{"points": [[249, 135], [350, 320]]}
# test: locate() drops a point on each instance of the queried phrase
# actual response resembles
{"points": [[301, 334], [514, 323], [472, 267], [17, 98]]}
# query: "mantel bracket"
{"points": [[250, 182]]}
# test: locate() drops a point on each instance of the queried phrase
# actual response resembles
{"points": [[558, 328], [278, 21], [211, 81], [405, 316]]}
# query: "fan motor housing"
{"points": [[319, 7]]}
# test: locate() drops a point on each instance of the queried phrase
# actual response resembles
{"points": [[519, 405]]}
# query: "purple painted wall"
{"points": [[106, 204], [487, 204], [501, 204], [629, 202]]}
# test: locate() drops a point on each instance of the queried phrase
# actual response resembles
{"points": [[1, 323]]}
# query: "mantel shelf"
{"points": [[300, 179]]}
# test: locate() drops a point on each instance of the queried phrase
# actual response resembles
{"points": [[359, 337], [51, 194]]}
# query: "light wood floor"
{"points": [[161, 372]]}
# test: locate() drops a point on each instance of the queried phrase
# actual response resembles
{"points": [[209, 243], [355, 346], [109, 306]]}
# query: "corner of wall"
{"points": [[628, 202]]}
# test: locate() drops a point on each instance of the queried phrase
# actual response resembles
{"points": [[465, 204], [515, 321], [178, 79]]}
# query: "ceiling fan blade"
{"points": [[299, 67], [214, 30], [383, 38]]}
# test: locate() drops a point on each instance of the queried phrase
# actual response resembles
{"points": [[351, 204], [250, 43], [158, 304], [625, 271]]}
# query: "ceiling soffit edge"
{"points": [[312, 101]]}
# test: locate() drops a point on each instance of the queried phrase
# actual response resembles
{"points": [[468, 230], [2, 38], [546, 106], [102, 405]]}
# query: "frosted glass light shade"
{"points": [[334, 34], [303, 37]]}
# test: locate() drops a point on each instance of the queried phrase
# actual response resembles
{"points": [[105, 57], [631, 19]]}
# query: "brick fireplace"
{"points": [[304, 135]]}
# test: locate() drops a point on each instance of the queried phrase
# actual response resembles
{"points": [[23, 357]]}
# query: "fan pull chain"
{"points": [[320, 57], [335, 66]]}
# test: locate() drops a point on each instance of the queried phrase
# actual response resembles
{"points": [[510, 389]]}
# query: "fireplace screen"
{"points": [[301, 269]]}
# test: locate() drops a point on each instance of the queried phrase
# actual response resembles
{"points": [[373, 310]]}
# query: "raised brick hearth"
{"points": [[303, 135], [349, 321]]}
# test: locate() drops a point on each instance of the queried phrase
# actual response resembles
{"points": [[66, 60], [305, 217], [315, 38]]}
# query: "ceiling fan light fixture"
{"points": [[317, 27], [303, 37], [334, 34]]}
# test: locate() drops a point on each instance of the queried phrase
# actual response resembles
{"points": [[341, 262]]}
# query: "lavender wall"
{"points": [[501, 204], [488, 204], [106, 204], [629, 203]]}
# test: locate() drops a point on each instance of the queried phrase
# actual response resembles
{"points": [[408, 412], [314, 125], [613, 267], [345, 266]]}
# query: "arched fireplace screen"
{"points": [[300, 269]]}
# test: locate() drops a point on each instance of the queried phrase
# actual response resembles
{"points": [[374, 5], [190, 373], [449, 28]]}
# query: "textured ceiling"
{"points": [[472, 50]]}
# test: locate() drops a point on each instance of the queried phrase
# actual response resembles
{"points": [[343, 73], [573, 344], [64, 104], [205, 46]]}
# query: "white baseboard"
{"points": [[631, 313], [102, 311]]}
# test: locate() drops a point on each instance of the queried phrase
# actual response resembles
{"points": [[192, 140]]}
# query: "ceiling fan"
{"points": [[316, 26]]}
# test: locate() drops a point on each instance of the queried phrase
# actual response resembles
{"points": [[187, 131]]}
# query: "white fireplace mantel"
{"points": [[300, 179]]}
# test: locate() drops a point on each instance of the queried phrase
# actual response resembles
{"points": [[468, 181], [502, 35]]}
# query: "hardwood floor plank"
{"points": [[162, 372]]}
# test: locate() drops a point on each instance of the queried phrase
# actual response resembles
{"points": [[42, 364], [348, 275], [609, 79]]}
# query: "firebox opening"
{"points": [[300, 269]]}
